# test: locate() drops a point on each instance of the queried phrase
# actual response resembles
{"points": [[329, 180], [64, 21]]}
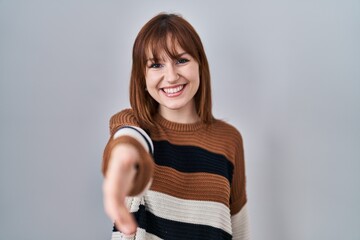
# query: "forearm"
{"points": [[240, 225]]}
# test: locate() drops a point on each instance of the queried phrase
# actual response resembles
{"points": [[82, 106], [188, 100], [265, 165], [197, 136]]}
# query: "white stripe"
{"points": [[120, 236], [140, 234], [188, 211], [240, 225], [126, 131], [133, 203]]}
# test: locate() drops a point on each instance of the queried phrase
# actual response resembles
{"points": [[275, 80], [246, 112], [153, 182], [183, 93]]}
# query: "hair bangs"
{"points": [[165, 40]]}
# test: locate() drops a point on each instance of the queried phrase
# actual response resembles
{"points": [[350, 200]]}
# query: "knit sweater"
{"points": [[197, 187]]}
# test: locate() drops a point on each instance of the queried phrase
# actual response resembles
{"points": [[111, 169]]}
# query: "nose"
{"points": [[171, 74]]}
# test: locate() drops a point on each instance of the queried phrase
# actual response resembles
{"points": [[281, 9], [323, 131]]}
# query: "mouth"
{"points": [[173, 91]]}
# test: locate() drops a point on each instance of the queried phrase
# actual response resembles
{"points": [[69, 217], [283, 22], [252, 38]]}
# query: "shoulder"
{"points": [[123, 118], [223, 138], [226, 131]]}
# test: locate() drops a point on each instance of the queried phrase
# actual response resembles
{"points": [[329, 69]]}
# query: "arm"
{"points": [[128, 168], [238, 205], [117, 184]]}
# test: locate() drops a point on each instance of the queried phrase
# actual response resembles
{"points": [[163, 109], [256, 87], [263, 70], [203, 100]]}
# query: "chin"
{"points": [[174, 106]]}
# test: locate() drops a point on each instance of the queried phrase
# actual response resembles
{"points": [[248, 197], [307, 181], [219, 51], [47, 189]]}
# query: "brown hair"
{"points": [[154, 36]]}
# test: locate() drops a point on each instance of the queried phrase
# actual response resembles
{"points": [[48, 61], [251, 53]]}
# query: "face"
{"points": [[173, 83]]}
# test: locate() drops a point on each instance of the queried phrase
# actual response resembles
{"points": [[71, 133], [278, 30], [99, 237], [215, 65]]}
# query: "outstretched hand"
{"points": [[117, 184]]}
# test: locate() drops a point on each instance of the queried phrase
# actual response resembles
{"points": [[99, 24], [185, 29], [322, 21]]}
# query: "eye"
{"points": [[182, 60], [155, 65]]}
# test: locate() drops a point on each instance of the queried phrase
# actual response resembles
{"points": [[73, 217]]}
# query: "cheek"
{"points": [[148, 80], [195, 74], [151, 79], [195, 71], [151, 86]]}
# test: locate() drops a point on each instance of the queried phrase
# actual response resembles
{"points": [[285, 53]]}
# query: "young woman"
{"points": [[173, 171]]}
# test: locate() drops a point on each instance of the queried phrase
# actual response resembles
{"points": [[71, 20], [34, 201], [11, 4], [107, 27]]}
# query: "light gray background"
{"points": [[285, 73]]}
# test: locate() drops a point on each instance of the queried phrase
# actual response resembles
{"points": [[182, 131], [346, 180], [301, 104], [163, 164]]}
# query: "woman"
{"points": [[173, 171]]}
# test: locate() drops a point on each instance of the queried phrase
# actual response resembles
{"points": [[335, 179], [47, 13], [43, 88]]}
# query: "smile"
{"points": [[173, 89]]}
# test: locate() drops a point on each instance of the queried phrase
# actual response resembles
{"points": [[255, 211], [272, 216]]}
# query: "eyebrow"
{"points": [[181, 54], [176, 56]]}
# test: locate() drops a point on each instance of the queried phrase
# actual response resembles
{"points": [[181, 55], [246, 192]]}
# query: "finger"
{"points": [[119, 213], [125, 222]]}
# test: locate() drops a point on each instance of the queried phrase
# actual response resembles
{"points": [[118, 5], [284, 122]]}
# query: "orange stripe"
{"points": [[192, 186]]}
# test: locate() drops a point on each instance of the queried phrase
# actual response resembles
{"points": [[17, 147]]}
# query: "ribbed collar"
{"points": [[179, 127]]}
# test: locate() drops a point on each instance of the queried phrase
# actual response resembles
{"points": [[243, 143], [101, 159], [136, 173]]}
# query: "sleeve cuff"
{"points": [[137, 133], [240, 225]]}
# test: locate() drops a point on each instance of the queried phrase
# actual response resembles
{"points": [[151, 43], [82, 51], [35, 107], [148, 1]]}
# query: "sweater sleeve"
{"points": [[239, 214], [124, 129]]}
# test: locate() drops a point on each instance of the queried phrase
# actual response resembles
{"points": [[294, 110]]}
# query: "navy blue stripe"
{"points": [[190, 159], [172, 230], [146, 140]]}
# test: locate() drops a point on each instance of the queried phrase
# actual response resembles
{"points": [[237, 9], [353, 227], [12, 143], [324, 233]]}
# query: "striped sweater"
{"points": [[198, 183]]}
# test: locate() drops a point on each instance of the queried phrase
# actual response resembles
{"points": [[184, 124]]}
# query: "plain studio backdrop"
{"points": [[285, 73]]}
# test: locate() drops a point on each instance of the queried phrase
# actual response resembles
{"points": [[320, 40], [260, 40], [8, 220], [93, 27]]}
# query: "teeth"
{"points": [[173, 90]]}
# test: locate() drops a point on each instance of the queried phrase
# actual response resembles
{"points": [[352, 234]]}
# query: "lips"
{"points": [[173, 90]]}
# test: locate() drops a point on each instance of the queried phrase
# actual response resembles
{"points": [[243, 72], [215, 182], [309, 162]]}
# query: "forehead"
{"points": [[164, 49]]}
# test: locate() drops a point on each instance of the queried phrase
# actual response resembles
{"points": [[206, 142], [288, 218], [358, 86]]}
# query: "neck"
{"points": [[184, 116]]}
